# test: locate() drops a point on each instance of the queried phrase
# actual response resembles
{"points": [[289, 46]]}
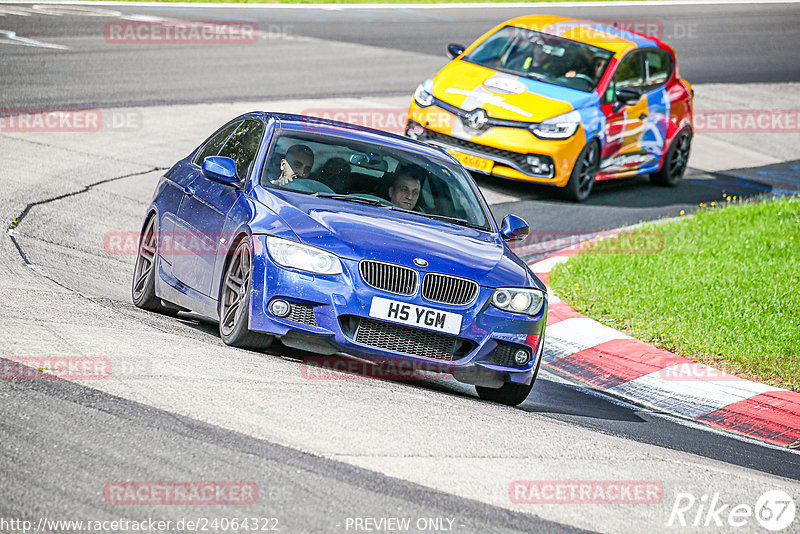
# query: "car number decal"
{"points": [[473, 162]]}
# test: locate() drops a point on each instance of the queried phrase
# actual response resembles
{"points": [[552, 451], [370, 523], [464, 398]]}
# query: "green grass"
{"points": [[724, 289]]}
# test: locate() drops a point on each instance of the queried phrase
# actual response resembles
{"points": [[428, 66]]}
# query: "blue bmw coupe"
{"points": [[340, 239]]}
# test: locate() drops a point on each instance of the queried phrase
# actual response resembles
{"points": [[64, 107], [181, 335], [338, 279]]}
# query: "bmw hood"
{"points": [[505, 96], [357, 232]]}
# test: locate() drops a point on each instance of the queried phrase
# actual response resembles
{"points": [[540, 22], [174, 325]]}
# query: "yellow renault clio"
{"points": [[559, 101]]}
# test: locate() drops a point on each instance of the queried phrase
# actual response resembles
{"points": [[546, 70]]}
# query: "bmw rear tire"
{"points": [[143, 286]]}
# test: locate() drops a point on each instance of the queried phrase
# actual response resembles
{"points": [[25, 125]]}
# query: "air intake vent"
{"points": [[302, 313], [388, 277], [447, 289], [407, 340]]}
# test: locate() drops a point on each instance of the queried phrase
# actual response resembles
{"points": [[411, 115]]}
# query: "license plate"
{"points": [[473, 162], [413, 315]]}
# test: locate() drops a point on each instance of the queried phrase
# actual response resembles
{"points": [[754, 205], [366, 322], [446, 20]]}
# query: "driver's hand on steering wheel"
{"points": [[283, 180]]}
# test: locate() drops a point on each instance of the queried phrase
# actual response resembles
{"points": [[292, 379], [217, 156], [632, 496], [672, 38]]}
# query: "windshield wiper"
{"points": [[348, 198], [454, 220], [373, 202]]}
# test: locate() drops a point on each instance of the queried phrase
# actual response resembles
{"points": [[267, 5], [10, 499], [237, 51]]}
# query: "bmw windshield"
{"points": [[365, 173], [543, 57]]}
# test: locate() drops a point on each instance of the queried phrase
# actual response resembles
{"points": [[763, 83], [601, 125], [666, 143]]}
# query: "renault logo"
{"points": [[419, 262], [477, 118]]}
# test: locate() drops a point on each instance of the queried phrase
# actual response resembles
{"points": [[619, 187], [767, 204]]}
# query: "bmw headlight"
{"points": [[303, 257], [560, 127], [518, 300], [423, 96]]}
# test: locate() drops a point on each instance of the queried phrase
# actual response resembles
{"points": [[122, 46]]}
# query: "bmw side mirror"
{"points": [[626, 97], [454, 50], [220, 169], [514, 228]]}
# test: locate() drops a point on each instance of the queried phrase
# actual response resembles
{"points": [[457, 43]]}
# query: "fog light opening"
{"points": [[521, 357], [539, 165], [279, 308]]}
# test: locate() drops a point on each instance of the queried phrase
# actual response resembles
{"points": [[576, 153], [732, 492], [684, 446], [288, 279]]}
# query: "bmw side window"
{"points": [[214, 145], [243, 145], [659, 69]]}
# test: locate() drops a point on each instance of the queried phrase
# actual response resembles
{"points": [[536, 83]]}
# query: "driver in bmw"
{"points": [[404, 191], [296, 163]]}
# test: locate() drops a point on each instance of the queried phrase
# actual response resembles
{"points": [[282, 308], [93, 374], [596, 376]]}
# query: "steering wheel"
{"points": [[305, 185], [370, 196], [575, 81], [585, 78]]}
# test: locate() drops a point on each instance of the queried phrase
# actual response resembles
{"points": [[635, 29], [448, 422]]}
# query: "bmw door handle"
{"points": [[190, 191]]}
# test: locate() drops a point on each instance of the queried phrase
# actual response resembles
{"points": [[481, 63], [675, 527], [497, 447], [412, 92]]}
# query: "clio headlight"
{"points": [[560, 127], [518, 300], [423, 96], [302, 257]]}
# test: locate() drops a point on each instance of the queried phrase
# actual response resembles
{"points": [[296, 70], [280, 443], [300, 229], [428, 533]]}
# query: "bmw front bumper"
{"points": [[331, 313]]}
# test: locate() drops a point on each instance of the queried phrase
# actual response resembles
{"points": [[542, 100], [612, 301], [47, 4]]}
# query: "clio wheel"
{"points": [[674, 166], [583, 173]]}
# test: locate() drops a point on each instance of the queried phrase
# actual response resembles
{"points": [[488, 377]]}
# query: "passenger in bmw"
{"points": [[297, 163], [335, 173]]}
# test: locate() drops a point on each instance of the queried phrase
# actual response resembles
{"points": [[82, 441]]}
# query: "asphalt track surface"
{"points": [[719, 44], [328, 52], [61, 441]]}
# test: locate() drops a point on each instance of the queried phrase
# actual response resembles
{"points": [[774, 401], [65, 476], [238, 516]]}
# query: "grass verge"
{"points": [[724, 288]]}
